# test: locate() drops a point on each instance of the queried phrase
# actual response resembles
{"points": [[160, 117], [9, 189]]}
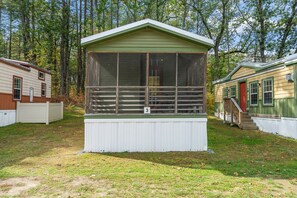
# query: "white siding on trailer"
{"points": [[30, 79], [288, 127], [285, 126], [7, 117], [145, 135]]}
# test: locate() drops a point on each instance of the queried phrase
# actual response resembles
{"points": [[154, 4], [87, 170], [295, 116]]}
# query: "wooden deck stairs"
{"points": [[242, 119]]}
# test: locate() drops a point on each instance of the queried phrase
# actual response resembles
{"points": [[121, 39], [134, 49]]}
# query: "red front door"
{"points": [[243, 96]]}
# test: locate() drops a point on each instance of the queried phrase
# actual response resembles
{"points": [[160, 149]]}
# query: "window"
{"points": [[225, 92], [254, 93], [233, 91], [17, 88], [41, 75], [43, 89], [267, 91]]}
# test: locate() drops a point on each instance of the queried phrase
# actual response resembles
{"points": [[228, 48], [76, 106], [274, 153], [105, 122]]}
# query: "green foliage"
{"points": [[37, 30]]}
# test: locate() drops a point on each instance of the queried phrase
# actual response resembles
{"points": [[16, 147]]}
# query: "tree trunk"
{"points": [[79, 86], [262, 30], [118, 13], [289, 24], [91, 17], [64, 49], [34, 55], [10, 35], [25, 24]]}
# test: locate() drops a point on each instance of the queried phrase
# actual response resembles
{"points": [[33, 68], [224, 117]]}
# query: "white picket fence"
{"points": [[39, 112]]}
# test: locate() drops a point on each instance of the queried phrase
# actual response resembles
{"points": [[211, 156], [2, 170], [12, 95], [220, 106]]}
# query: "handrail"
{"points": [[236, 105], [231, 106]]}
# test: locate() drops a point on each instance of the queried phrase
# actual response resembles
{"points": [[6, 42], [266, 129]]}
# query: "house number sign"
{"points": [[146, 110]]}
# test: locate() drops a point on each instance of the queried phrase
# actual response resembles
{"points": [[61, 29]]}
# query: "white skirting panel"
{"points": [[221, 116], [7, 117], [145, 135], [285, 126]]}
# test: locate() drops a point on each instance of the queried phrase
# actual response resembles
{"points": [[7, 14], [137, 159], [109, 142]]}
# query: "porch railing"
{"points": [[133, 99], [231, 107]]}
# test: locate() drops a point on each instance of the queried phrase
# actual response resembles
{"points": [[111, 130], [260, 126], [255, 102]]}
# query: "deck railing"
{"points": [[133, 99], [231, 107]]}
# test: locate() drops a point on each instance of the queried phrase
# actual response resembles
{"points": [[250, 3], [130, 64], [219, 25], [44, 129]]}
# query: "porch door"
{"points": [[243, 96]]}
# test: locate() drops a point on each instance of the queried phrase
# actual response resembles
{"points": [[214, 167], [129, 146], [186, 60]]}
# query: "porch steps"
{"points": [[247, 123]]}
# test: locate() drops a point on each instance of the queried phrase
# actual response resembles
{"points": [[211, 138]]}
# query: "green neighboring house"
{"points": [[265, 92]]}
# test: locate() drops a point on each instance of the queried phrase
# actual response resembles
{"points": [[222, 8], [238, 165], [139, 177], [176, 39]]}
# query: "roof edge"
{"points": [[259, 67], [18, 64], [151, 23]]}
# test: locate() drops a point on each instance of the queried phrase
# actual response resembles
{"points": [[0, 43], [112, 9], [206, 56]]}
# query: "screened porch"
{"points": [[125, 83]]}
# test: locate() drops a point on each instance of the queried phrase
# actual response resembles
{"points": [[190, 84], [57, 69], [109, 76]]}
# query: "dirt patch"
{"points": [[16, 186], [99, 187], [289, 186], [281, 187]]}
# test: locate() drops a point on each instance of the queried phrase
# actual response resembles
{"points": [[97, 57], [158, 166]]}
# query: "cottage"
{"points": [[260, 95], [145, 89], [21, 81]]}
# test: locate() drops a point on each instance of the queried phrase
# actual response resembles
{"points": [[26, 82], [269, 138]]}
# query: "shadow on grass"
{"points": [[237, 153], [20, 141]]}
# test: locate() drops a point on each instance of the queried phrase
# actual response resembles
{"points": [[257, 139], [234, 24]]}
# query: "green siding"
{"points": [[286, 107], [282, 107], [147, 40]]}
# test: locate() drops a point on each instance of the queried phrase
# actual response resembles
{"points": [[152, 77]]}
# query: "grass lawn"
{"points": [[39, 160]]}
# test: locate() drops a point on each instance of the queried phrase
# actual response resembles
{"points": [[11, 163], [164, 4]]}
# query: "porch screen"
{"points": [[132, 69], [162, 70], [191, 69], [103, 69]]}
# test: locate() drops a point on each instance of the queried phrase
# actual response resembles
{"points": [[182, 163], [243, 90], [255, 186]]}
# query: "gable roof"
{"points": [[147, 23], [288, 60], [22, 65]]}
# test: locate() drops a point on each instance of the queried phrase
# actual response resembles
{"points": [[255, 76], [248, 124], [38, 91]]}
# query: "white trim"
{"points": [[164, 26], [146, 120], [257, 93], [271, 91]]}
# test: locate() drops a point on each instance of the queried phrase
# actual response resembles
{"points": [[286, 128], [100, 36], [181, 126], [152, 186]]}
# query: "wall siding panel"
{"points": [[7, 102], [145, 135], [146, 40], [30, 79], [243, 71]]}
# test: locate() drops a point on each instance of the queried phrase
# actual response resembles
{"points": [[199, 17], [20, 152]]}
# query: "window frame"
{"points": [[272, 92], [225, 89], [43, 84], [41, 72], [250, 93], [13, 88], [233, 87]]}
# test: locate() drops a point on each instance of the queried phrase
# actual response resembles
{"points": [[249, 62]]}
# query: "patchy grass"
{"points": [[47, 159]]}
